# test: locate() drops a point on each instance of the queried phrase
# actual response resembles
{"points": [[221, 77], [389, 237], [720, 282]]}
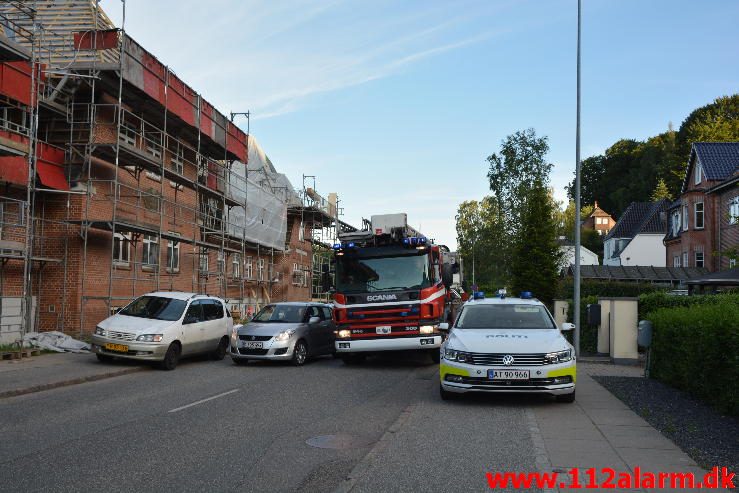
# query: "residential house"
{"points": [[567, 249], [636, 239], [704, 220], [599, 220]]}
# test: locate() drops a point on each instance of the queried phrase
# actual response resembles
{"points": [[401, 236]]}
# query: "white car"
{"points": [[163, 327], [507, 345]]}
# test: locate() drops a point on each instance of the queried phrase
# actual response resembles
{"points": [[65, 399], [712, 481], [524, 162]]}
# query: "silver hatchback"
{"points": [[285, 331]]}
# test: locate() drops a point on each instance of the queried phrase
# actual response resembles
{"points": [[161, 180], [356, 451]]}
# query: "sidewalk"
{"points": [[601, 431], [48, 371]]}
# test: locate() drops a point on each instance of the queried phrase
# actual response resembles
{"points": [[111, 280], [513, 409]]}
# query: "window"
{"points": [[685, 259], [734, 211], [297, 280], [698, 173], [212, 309], [173, 256], [221, 263], [236, 265], [326, 312], [698, 207], [203, 259], [676, 223], [676, 261], [732, 263], [128, 133], [260, 269], [121, 248], [301, 232], [685, 217], [248, 269], [150, 257], [699, 258], [176, 159], [155, 307], [194, 312], [504, 316], [306, 276]]}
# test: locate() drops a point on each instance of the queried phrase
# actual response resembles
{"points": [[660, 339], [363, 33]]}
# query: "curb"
{"points": [[66, 383]]}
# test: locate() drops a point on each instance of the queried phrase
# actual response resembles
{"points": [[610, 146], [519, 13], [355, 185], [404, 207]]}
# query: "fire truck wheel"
{"points": [[435, 355], [352, 359]]}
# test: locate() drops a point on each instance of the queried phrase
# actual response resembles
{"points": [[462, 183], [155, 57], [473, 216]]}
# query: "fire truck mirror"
{"points": [[455, 268], [446, 274], [326, 282], [325, 268]]}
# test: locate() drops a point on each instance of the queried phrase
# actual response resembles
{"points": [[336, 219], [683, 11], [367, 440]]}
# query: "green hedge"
{"points": [[695, 348], [653, 301], [588, 334]]}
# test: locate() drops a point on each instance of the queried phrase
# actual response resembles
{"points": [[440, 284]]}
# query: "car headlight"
{"points": [[344, 334], [99, 331], [284, 335], [558, 357], [454, 355], [150, 338], [234, 334], [426, 329]]}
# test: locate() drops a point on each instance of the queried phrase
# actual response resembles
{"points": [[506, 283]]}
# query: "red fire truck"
{"points": [[391, 290]]}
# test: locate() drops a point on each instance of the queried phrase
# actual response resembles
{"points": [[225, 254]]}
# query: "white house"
{"points": [[587, 257], [636, 239]]}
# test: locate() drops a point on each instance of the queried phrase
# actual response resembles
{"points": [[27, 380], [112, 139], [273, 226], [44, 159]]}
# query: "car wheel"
{"points": [[446, 395], [104, 358], [566, 397], [352, 359], [220, 352], [435, 355], [300, 353], [239, 361], [171, 357]]}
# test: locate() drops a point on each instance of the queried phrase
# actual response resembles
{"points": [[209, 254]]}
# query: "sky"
{"points": [[395, 105]]}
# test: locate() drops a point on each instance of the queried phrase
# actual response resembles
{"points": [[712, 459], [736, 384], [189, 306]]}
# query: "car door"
{"points": [[193, 326], [330, 329], [215, 323], [315, 337]]}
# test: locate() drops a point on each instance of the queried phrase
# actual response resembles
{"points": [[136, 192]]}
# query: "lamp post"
{"points": [[578, 207]]}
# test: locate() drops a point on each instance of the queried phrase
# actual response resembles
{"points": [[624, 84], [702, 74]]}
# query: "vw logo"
{"points": [[508, 360], [253, 337]]}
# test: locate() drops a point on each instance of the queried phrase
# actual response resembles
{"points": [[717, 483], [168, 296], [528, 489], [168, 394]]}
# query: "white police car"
{"points": [[507, 345]]}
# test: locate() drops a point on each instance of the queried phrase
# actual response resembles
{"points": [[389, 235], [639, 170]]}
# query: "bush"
{"points": [[653, 301], [694, 348], [588, 334]]}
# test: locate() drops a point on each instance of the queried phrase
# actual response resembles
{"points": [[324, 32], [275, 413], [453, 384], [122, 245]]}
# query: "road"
{"points": [[214, 426]]}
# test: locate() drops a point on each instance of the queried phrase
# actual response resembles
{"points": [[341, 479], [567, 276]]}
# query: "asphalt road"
{"points": [[214, 426]]}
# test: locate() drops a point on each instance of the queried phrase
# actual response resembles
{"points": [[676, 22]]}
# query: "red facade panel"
{"points": [[96, 40], [182, 100], [15, 81], [14, 170], [236, 142]]}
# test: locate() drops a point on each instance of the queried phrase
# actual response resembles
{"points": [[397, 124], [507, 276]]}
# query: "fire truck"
{"points": [[391, 290]]}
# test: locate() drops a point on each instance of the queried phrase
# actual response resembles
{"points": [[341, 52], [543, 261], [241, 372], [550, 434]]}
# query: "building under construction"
{"points": [[120, 179]]}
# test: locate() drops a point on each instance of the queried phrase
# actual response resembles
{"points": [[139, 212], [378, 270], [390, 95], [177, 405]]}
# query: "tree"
{"points": [[566, 223], [515, 170], [714, 122], [661, 191], [535, 265], [480, 237]]}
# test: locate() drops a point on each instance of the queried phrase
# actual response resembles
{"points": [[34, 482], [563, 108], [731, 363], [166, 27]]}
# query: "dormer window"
{"points": [[698, 173]]}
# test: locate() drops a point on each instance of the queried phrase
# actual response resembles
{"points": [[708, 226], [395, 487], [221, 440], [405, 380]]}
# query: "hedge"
{"points": [[653, 301], [695, 348]]}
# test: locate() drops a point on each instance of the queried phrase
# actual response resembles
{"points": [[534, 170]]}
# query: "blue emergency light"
{"points": [[478, 295], [527, 295], [350, 244], [406, 241], [337, 246]]}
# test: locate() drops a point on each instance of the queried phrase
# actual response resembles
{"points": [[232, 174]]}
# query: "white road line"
{"points": [[202, 400]]}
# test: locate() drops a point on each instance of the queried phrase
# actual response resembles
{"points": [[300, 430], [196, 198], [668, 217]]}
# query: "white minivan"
{"points": [[163, 327]]}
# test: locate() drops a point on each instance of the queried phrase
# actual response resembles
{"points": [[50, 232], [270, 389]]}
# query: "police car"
{"points": [[507, 345]]}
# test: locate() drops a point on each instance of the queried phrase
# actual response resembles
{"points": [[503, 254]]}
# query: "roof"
{"points": [[641, 218], [719, 159], [504, 301], [640, 273], [724, 278]]}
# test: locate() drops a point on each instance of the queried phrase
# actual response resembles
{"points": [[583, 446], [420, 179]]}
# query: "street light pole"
{"points": [[578, 207]]}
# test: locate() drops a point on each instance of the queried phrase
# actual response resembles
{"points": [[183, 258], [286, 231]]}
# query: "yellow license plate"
{"points": [[121, 348]]}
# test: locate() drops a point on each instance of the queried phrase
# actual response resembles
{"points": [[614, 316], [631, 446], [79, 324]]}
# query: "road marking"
{"points": [[202, 400]]}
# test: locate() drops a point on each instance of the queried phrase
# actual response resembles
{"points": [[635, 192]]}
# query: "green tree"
{"points": [[661, 191], [535, 265], [566, 222], [714, 122], [480, 239]]}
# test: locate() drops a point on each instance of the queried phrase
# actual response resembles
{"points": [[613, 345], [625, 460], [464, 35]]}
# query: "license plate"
{"points": [[384, 329], [251, 345], [508, 374], [121, 348]]}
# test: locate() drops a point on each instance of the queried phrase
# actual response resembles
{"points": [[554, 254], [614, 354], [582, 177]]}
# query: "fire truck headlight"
{"points": [[426, 329], [344, 334]]}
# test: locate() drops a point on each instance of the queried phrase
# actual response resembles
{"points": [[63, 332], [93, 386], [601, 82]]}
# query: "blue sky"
{"points": [[395, 105]]}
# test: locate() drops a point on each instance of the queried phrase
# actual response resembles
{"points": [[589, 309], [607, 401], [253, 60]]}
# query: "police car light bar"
{"points": [[478, 295], [527, 295]]}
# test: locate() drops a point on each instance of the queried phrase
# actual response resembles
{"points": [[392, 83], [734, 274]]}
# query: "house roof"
{"points": [[719, 160], [641, 218], [640, 273], [724, 278]]}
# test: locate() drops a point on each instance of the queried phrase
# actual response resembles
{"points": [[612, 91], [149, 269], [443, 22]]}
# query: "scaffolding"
{"points": [[126, 191]]}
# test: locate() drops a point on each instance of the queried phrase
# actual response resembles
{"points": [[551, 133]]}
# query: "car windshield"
{"points": [[155, 307], [281, 314], [504, 316], [361, 275]]}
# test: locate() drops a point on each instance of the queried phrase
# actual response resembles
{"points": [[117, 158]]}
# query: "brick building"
{"points": [[118, 179], [703, 228], [599, 220]]}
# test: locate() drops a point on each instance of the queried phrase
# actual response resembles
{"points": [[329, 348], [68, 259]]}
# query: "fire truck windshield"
{"points": [[362, 275]]}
